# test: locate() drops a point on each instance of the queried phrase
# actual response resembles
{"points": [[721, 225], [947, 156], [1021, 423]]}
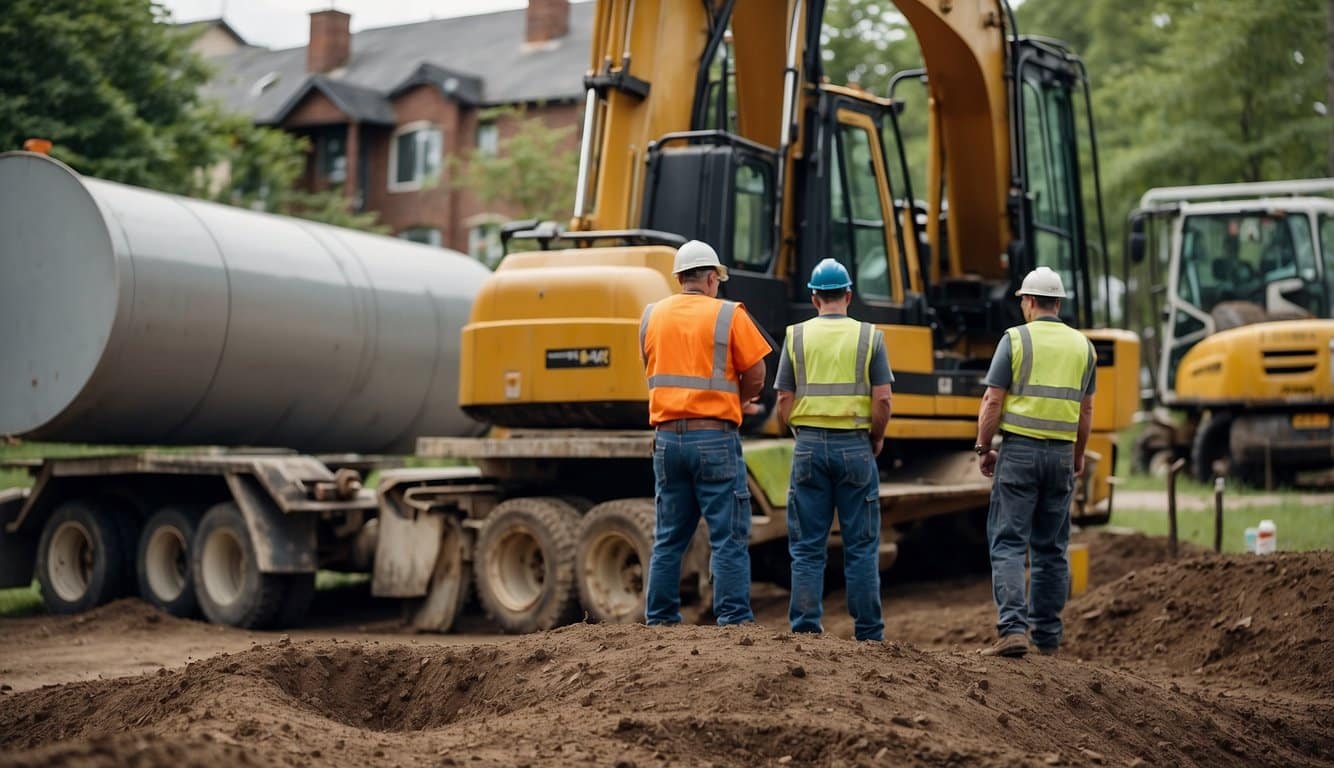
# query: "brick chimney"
{"points": [[547, 20], [330, 40]]}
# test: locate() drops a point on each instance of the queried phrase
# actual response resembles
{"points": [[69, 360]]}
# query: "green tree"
{"points": [[1199, 91], [114, 86], [532, 172]]}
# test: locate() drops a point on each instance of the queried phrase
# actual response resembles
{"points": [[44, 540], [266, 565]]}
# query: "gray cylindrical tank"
{"points": [[131, 316]]}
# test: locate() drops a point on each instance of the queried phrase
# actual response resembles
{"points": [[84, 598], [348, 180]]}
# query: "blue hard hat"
{"points": [[829, 275]]}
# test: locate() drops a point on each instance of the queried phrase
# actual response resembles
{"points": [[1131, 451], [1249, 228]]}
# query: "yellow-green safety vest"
{"points": [[1050, 370], [831, 360]]}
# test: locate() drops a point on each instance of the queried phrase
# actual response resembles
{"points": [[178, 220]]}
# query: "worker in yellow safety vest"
{"points": [[704, 358], [834, 390], [1040, 395]]}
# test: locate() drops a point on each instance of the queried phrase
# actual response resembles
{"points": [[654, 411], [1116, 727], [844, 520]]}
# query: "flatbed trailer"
{"points": [[544, 525]]}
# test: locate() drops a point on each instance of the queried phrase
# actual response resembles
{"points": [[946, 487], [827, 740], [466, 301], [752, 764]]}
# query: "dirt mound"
{"points": [[1113, 554], [125, 615], [1264, 621], [959, 613], [636, 695], [142, 749]]}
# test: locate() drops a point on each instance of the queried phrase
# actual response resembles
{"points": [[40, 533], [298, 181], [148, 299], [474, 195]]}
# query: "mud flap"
{"points": [[409, 545], [283, 543], [18, 550], [449, 583]]}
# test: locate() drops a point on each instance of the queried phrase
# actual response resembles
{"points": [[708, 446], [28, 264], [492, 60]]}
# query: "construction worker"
{"points": [[834, 390], [1040, 394], [704, 358]]}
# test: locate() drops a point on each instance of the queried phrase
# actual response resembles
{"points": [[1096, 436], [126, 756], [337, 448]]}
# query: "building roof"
{"points": [[361, 104], [479, 59], [200, 25]]}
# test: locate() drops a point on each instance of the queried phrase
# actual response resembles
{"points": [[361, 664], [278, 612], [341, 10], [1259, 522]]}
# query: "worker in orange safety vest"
{"points": [[704, 358]]}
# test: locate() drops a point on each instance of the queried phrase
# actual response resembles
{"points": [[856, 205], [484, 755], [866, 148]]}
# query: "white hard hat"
{"points": [[1043, 281], [696, 254]]}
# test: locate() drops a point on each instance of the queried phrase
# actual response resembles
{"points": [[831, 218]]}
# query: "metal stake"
{"points": [[1218, 514], [1172, 507]]}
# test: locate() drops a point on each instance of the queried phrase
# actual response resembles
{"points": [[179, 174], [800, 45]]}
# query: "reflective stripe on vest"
{"points": [[1049, 407], [839, 398], [717, 381]]}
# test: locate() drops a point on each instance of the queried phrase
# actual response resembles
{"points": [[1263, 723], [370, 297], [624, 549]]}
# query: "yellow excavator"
{"points": [[713, 121]]}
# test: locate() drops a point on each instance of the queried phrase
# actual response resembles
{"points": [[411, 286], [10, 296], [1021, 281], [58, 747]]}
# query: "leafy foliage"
{"points": [[1198, 91], [532, 172], [114, 86]]}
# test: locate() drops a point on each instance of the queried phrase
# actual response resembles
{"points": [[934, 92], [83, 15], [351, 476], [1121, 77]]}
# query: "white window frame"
{"points": [[435, 238], [418, 181], [491, 145]]}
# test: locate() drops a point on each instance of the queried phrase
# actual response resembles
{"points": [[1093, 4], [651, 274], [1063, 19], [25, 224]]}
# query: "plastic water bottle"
{"points": [[1266, 538], [1251, 535]]}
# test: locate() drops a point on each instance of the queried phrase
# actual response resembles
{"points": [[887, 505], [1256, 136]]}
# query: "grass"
{"points": [[21, 601], [1300, 528], [12, 477]]}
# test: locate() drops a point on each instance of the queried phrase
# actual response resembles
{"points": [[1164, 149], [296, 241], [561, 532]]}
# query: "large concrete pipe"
{"points": [[131, 316]]}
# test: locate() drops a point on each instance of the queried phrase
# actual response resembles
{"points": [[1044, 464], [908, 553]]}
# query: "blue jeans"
{"points": [[700, 473], [1030, 514], [831, 469]]}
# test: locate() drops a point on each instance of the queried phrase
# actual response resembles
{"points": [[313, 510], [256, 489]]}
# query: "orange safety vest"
{"points": [[685, 340]]}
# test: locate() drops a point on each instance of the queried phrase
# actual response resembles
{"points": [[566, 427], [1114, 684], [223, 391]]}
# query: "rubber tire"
{"points": [[260, 597], [631, 519], [554, 524], [106, 580], [1210, 444], [1152, 441], [185, 521]]}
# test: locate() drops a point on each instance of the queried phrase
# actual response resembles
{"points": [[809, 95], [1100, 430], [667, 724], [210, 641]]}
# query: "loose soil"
{"points": [[1205, 661]]}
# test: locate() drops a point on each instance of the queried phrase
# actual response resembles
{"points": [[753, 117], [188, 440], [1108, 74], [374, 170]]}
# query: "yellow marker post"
{"points": [[1079, 569]]}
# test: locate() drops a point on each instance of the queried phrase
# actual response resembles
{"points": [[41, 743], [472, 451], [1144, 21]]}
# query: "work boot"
{"points": [[1046, 650], [1012, 645]]}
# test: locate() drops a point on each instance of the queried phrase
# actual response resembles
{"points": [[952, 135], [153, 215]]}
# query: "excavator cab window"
{"points": [[849, 210], [856, 221], [1053, 223]]}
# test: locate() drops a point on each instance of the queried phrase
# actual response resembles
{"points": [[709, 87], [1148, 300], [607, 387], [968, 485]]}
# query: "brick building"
{"points": [[384, 108]]}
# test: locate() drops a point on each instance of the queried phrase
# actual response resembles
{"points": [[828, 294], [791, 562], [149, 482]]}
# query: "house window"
{"points": [[488, 138], [415, 156], [484, 243], [423, 235], [331, 153]]}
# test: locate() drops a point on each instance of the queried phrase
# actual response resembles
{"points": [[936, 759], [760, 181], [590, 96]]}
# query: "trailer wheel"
{"points": [[81, 558], [163, 563], [524, 564], [228, 583], [615, 543], [1210, 445]]}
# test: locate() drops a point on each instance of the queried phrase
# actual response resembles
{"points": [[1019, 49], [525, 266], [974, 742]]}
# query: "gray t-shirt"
{"points": [[786, 380], [1001, 372]]}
